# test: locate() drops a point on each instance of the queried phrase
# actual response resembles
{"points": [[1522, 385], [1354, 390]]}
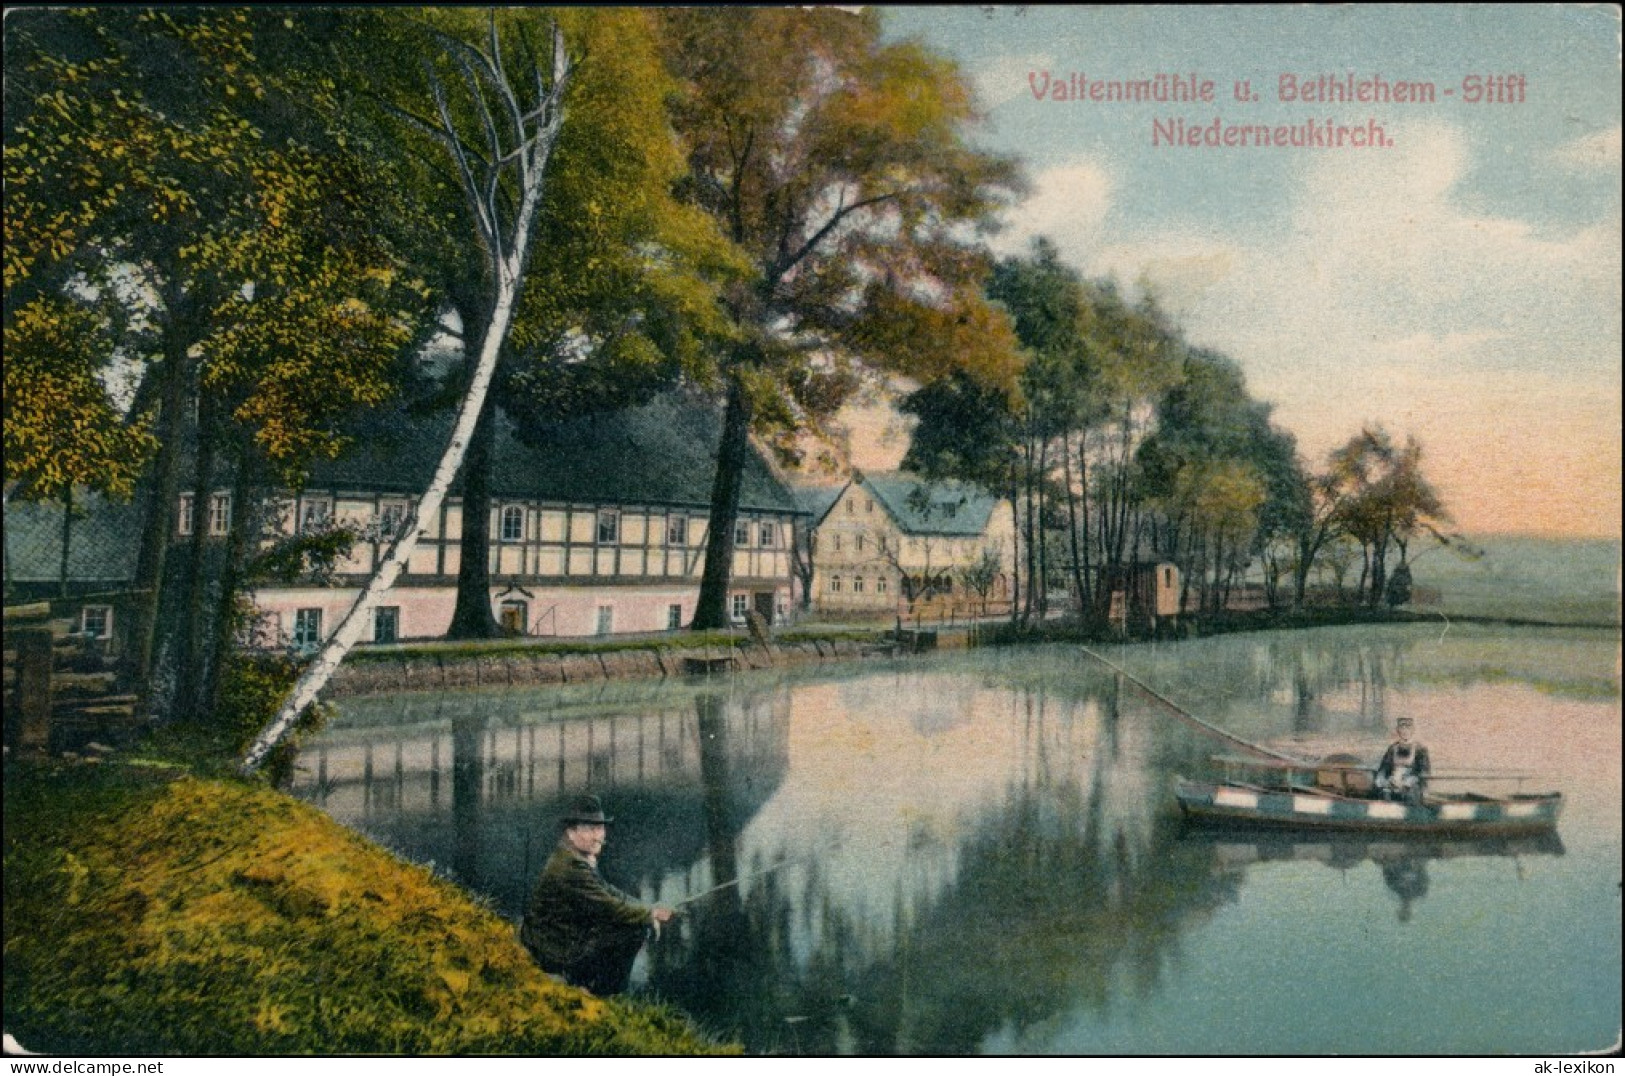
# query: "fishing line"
{"points": [[1223, 734]]}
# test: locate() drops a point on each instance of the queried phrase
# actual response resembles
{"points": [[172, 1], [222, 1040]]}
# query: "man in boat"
{"points": [[577, 925], [1403, 772]]}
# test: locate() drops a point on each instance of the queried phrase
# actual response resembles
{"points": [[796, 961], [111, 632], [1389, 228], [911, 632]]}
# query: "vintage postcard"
{"points": [[922, 531]]}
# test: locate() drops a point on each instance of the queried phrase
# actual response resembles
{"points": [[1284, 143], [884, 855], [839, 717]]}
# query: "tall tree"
{"points": [[1062, 394], [1213, 452], [622, 299], [1390, 502], [839, 165], [501, 166], [124, 167]]}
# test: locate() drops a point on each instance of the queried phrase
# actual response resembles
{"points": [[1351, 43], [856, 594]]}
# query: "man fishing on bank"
{"points": [[577, 925]]}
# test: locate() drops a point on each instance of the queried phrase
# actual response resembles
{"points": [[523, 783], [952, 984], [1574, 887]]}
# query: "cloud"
{"points": [[1004, 78], [1597, 150], [1391, 298], [1069, 204]]}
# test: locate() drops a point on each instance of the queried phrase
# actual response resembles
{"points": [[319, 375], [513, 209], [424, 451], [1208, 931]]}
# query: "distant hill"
{"points": [[1563, 580]]}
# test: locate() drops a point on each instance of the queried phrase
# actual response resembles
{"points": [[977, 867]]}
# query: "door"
{"points": [[513, 617], [763, 601]]}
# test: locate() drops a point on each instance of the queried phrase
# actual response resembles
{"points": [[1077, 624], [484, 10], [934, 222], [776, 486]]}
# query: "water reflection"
{"points": [[962, 853], [1402, 861], [1064, 881], [670, 770]]}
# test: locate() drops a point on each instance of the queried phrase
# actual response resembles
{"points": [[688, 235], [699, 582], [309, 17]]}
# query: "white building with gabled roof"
{"points": [[894, 543]]}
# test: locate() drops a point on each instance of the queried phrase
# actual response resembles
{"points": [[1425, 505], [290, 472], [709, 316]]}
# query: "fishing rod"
{"points": [[735, 881], [1208, 725]]}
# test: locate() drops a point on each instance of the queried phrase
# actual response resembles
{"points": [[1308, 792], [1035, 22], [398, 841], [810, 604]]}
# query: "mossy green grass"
{"points": [[154, 910]]}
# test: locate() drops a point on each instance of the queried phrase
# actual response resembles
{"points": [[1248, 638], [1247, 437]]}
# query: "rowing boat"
{"points": [[1334, 794]]}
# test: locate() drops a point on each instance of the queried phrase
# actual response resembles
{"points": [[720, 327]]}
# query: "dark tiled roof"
{"points": [[951, 508], [816, 501], [102, 544], [662, 453]]}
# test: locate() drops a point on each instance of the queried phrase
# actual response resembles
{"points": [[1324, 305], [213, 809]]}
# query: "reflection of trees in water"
{"points": [[514, 765], [1061, 888], [1330, 681]]}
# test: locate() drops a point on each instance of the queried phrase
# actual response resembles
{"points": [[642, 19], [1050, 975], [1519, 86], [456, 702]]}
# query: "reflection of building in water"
{"points": [[479, 789]]}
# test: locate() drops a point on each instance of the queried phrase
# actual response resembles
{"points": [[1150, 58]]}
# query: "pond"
{"points": [[980, 852]]}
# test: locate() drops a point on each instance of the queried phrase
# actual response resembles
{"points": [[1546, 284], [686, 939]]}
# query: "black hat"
{"points": [[585, 810]]}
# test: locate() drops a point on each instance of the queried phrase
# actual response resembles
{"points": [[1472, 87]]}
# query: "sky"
{"points": [[1458, 282]]}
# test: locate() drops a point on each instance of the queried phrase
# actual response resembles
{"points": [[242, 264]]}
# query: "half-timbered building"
{"points": [[598, 526]]}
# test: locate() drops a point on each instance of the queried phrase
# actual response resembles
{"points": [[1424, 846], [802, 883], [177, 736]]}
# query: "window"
{"points": [[851, 507], [390, 517], [674, 617], [741, 604], [880, 585], [606, 619], [883, 543], [386, 623], [834, 584], [609, 527], [769, 535], [96, 621], [281, 514], [307, 628], [868, 504], [857, 585], [513, 523], [860, 543], [741, 535], [220, 514], [1168, 578], [183, 519], [837, 543], [316, 514], [677, 530]]}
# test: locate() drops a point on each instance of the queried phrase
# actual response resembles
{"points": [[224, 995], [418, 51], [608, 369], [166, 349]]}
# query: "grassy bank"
{"points": [[1072, 630], [149, 910]]}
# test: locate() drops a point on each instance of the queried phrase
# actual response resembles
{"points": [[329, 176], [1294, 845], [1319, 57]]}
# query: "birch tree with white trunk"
{"points": [[508, 157]]}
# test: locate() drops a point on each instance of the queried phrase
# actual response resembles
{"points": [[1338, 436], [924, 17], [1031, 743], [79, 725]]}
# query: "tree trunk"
{"points": [[1038, 527], [67, 541], [349, 631], [711, 610], [157, 527], [1093, 605], [472, 618], [801, 561], [247, 518], [538, 133], [1081, 587], [1033, 582], [195, 621], [1015, 553], [1379, 571]]}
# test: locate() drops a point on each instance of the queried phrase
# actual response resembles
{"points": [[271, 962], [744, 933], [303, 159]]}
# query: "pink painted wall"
{"points": [[425, 612]]}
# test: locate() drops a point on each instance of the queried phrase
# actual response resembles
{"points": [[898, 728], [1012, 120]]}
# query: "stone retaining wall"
{"points": [[429, 671]]}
